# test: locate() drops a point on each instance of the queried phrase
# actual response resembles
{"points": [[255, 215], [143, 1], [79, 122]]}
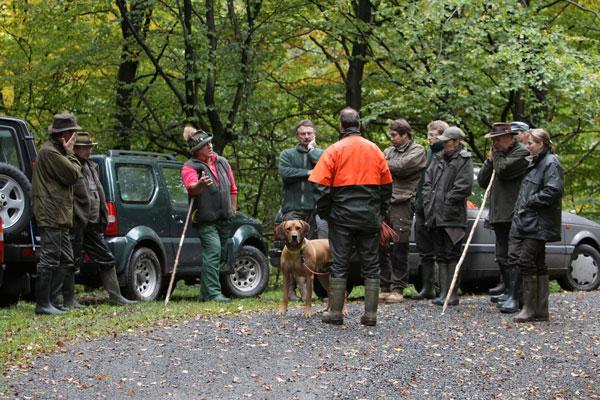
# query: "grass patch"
{"points": [[24, 334]]}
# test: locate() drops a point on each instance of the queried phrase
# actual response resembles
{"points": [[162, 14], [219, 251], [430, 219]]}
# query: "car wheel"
{"points": [[250, 276], [144, 275], [583, 272], [15, 200]]}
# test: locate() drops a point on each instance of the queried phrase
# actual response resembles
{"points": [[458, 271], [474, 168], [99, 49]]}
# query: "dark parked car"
{"points": [[574, 261], [147, 205]]}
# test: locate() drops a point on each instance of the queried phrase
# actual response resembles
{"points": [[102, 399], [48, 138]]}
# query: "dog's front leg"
{"points": [[308, 296], [283, 307]]}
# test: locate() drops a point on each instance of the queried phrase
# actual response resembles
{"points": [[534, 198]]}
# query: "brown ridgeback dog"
{"points": [[301, 257]]}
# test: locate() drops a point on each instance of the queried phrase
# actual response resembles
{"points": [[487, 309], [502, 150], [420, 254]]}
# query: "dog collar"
{"points": [[294, 251]]}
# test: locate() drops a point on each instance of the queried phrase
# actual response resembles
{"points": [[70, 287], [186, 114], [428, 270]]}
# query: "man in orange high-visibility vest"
{"points": [[355, 188]]}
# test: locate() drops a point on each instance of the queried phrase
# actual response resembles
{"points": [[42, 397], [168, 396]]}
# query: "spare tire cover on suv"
{"points": [[15, 200]]}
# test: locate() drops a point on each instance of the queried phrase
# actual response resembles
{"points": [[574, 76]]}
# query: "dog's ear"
{"points": [[305, 228], [278, 231]]}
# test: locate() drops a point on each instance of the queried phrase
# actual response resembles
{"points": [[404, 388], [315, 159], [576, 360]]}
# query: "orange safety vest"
{"points": [[352, 160]]}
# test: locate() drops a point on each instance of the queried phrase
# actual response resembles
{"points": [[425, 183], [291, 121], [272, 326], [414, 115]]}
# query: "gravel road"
{"points": [[472, 352]]}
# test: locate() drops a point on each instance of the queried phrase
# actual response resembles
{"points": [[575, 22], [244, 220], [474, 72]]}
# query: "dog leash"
{"points": [[306, 266]]}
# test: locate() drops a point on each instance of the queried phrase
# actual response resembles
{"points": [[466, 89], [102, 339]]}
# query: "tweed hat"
{"points": [[518, 126], [63, 123], [499, 129], [198, 139], [84, 139], [453, 132]]}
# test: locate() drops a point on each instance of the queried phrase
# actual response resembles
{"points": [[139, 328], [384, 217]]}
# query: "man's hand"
{"points": [[491, 152], [68, 145], [312, 144], [205, 180]]}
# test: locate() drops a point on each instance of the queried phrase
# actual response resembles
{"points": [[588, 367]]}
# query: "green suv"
{"points": [[147, 206]]}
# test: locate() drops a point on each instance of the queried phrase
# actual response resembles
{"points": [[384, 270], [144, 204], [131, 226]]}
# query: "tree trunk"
{"points": [[139, 14], [357, 61]]}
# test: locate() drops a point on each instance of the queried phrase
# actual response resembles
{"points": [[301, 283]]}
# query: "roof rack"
{"points": [[113, 153]]}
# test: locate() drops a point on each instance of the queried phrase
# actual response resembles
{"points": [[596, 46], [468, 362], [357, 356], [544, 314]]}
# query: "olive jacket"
{"points": [[81, 194], [54, 175], [448, 183], [511, 167]]}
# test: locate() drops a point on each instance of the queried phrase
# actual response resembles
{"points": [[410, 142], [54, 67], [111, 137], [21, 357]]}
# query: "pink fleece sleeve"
{"points": [[234, 189], [189, 176]]}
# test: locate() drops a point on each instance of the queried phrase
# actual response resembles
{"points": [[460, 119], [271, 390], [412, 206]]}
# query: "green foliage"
{"points": [[265, 65]]}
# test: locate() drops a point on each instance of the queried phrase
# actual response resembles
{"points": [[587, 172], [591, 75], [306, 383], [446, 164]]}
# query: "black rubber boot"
{"points": [[58, 281], [444, 284], [43, 286], [337, 294], [68, 290], [369, 318], [111, 284], [501, 286], [511, 305], [543, 293], [453, 300], [503, 296], [427, 291], [529, 290]]}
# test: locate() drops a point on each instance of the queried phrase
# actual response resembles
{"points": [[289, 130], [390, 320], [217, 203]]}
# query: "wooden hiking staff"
{"points": [[185, 226], [464, 253]]}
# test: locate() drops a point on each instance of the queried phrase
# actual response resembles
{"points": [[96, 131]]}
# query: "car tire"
{"points": [[15, 200], [144, 275], [250, 276], [583, 272]]}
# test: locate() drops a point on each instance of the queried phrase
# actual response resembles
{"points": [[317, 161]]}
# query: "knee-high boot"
{"points": [[427, 291], [43, 286], [501, 286], [444, 284], [505, 294], [68, 290], [453, 300], [529, 290], [543, 293], [337, 294], [111, 284], [369, 318], [56, 287], [511, 305]]}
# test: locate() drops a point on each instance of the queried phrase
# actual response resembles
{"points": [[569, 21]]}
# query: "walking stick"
{"points": [[185, 226], [464, 253]]}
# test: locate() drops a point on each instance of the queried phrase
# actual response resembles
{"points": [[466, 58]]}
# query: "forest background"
{"points": [[136, 72]]}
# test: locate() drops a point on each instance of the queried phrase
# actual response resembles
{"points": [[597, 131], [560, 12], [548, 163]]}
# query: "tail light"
{"points": [[112, 228]]}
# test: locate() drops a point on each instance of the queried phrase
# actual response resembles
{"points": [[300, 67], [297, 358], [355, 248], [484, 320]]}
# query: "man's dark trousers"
{"points": [[342, 242]]}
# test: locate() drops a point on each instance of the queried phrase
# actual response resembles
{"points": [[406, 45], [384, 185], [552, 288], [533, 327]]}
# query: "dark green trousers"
{"points": [[213, 237]]}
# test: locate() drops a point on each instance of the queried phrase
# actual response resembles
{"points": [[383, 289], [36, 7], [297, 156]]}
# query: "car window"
{"points": [[177, 192], [136, 183], [8, 148]]}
